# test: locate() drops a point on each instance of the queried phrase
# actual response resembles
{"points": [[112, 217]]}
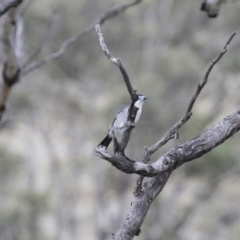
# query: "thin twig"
{"points": [[8, 4], [205, 79], [112, 12], [132, 111], [115, 61], [173, 132]]}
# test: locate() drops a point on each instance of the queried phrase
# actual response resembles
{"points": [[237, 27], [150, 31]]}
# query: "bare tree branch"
{"points": [[112, 12], [193, 149], [8, 4], [120, 147], [160, 170], [116, 61], [180, 154], [184, 152], [121, 161], [173, 132]]}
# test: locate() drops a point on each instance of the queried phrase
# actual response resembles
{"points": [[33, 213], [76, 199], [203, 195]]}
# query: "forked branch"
{"points": [[145, 169], [159, 171], [185, 152], [173, 132], [119, 148], [182, 153]]}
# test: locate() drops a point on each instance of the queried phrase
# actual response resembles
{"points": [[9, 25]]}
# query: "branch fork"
{"points": [[120, 147], [15, 14], [159, 171], [172, 132]]}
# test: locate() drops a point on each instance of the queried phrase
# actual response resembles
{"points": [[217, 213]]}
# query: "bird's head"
{"points": [[140, 100]]}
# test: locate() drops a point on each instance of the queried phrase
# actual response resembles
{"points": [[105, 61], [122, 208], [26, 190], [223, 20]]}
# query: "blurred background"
{"points": [[51, 185]]}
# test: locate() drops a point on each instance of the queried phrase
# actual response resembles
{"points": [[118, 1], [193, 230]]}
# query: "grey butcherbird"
{"points": [[120, 121]]}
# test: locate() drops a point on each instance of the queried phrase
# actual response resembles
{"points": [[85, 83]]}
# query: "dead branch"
{"points": [[173, 131], [160, 170], [8, 4], [129, 166], [180, 154], [116, 61], [214, 136], [112, 12], [120, 147]]}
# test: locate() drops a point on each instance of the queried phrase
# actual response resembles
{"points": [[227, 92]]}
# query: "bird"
{"points": [[120, 121]]}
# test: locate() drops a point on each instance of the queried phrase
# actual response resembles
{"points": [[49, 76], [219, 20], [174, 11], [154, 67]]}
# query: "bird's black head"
{"points": [[141, 97]]}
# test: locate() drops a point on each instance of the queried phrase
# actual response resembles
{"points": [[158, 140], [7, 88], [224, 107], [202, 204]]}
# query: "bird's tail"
{"points": [[105, 142]]}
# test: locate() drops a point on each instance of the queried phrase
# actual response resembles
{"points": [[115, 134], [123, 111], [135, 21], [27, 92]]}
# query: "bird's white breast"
{"points": [[138, 115]]}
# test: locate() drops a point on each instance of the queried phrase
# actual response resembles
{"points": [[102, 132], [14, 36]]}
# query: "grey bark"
{"points": [[173, 159], [181, 153], [160, 170]]}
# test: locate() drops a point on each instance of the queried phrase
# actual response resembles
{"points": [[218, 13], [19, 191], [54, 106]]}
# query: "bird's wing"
{"points": [[120, 119]]}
